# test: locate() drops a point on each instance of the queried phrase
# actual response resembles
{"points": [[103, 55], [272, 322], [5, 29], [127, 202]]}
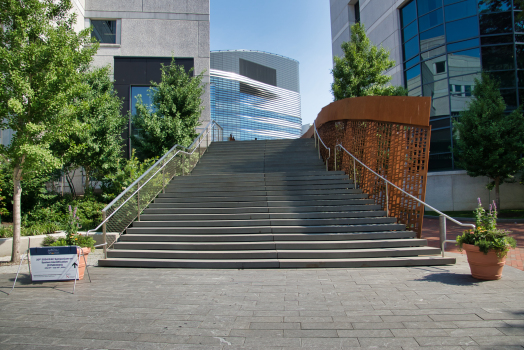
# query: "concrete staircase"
{"points": [[267, 204]]}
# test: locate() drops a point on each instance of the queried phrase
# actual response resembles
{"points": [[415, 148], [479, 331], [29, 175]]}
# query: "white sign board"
{"points": [[54, 263]]}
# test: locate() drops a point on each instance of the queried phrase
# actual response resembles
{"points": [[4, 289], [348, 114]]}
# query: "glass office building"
{"points": [[255, 95], [446, 44]]}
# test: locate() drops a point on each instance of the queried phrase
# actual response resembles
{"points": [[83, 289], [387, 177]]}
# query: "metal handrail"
{"points": [[317, 136], [200, 138], [442, 217]]}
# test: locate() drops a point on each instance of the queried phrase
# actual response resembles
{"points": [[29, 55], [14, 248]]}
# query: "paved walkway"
{"points": [[399, 308], [515, 258]]}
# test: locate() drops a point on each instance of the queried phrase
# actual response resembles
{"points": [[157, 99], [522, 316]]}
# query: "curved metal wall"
{"points": [[264, 103]]}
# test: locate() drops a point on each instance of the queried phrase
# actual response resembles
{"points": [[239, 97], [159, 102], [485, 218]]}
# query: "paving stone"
{"points": [[465, 317], [263, 343], [330, 343], [365, 333], [310, 333], [445, 341], [386, 342], [325, 325], [272, 325], [498, 341]]}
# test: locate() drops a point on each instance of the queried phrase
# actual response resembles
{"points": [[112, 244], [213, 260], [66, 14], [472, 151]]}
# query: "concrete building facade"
{"points": [[440, 47], [255, 95], [137, 36]]}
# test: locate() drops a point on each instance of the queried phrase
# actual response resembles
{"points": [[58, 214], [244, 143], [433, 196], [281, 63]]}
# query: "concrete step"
{"points": [[255, 192], [268, 245], [277, 263], [165, 198], [265, 229], [266, 222], [164, 208], [171, 203], [295, 237], [146, 216]]}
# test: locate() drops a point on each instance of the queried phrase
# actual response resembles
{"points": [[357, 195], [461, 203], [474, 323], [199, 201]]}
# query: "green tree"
{"points": [[488, 141], [98, 108], [41, 64], [173, 115], [361, 71]]}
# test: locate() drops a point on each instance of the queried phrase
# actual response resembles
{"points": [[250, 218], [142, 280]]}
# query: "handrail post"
{"points": [[387, 200], [104, 233], [163, 176], [442, 231], [138, 202], [355, 173], [335, 159]]}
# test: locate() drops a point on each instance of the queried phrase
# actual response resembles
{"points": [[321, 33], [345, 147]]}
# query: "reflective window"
{"points": [[430, 20], [408, 13], [497, 57], [518, 4], [440, 123], [440, 106], [505, 78], [411, 48], [510, 97], [463, 45], [434, 69], [145, 92], [494, 5], [461, 10], [104, 31], [495, 23], [520, 56], [431, 38], [434, 52], [521, 96], [521, 81], [519, 21], [496, 39], [447, 2], [519, 38], [411, 63], [415, 92], [439, 161], [440, 141], [462, 29], [428, 5], [464, 62], [412, 77], [436, 89], [410, 31]]}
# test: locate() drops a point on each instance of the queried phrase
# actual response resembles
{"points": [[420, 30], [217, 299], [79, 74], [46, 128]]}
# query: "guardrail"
{"points": [[442, 217], [128, 205], [318, 140]]}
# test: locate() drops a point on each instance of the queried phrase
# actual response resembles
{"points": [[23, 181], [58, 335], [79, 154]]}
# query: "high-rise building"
{"points": [[440, 47], [255, 95]]}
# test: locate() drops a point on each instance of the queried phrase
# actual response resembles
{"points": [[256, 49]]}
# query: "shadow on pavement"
{"points": [[452, 279]]}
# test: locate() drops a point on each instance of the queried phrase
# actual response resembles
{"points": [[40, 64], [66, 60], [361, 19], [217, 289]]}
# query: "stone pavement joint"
{"points": [[399, 308]]}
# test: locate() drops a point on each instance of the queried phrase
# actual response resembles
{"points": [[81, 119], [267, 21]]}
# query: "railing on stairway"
{"points": [[357, 180], [319, 140], [178, 161]]}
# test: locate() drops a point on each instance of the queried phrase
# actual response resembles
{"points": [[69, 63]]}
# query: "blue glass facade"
{"points": [[255, 95], [445, 46]]}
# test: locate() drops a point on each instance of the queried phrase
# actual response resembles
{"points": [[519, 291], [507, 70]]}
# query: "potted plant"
{"points": [[487, 246], [73, 238]]}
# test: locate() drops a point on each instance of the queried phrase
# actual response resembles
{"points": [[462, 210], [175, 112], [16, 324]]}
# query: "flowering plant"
{"points": [[486, 235]]}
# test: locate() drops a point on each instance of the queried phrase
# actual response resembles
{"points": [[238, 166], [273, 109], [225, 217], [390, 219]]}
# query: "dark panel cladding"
{"points": [[258, 72], [140, 71]]}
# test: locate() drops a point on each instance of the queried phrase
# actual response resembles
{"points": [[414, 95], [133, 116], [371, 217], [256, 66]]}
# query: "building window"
{"points": [[440, 67], [105, 31], [145, 92], [357, 12]]}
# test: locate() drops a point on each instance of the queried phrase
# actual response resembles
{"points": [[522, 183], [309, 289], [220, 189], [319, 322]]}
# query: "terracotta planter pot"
{"points": [[484, 266], [81, 262]]}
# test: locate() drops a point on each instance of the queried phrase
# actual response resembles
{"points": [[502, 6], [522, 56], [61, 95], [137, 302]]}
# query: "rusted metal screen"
{"points": [[398, 152]]}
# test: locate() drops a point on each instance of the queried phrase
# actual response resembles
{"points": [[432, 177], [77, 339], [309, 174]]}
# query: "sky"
{"points": [[298, 29]]}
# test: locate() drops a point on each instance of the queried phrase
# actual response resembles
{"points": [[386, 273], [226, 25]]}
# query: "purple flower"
{"points": [[494, 206], [478, 199]]}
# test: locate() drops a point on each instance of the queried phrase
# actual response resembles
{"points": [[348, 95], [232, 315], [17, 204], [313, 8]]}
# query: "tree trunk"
{"points": [[497, 194], [17, 221]]}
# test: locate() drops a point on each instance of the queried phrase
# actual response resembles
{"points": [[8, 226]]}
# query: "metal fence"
{"points": [[178, 161]]}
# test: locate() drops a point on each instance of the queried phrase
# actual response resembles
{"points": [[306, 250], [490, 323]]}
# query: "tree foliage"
{"points": [[98, 109], [173, 115], [41, 63], [488, 141], [361, 71]]}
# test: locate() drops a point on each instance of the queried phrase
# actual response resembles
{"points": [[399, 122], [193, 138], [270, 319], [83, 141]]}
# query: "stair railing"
{"points": [[442, 216], [318, 141], [178, 161]]}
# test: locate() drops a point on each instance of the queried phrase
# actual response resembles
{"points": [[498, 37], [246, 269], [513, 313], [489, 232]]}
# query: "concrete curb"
{"points": [[6, 244]]}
